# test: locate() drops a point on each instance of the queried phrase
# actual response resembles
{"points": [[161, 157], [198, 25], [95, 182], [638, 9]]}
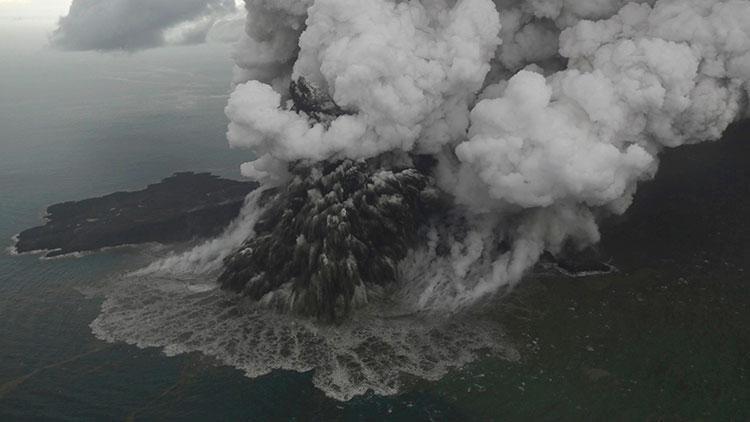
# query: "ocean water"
{"points": [[77, 125], [666, 338]]}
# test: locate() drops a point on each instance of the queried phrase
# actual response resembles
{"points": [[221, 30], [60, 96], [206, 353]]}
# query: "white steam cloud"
{"points": [[542, 114], [138, 24]]}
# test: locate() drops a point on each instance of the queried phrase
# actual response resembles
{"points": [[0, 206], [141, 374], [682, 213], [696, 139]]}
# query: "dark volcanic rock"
{"points": [[182, 207], [335, 228], [577, 263], [313, 101]]}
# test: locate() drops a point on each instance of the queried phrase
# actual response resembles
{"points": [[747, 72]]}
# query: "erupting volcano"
{"points": [[496, 129]]}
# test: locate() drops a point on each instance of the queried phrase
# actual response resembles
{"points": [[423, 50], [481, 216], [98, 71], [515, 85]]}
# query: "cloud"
{"points": [[410, 71], [139, 24], [42, 10]]}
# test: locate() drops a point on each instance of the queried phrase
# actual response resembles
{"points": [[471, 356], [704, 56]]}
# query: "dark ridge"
{"points": [[180, 208], [335, 228]]}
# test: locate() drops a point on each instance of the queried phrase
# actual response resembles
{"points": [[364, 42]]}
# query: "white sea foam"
{"points": [[369, 352], [12, 250], [208, 256], [176, 305], [76, 255]]}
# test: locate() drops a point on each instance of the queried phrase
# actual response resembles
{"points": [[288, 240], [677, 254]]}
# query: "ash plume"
{"points": [[542, 116]]}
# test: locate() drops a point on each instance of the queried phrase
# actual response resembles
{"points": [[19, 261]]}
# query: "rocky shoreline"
{"points": [[180, 208]]}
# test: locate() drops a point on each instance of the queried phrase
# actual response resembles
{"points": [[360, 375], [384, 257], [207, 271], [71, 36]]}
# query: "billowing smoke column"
{"points": [[540, 116]]}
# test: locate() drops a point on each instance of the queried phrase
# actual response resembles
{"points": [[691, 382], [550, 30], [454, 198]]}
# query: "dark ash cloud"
{"points": [[138, 24]]}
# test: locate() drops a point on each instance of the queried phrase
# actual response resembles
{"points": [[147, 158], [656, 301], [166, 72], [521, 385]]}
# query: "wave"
{"points": [[12, 250], [370, 351]]}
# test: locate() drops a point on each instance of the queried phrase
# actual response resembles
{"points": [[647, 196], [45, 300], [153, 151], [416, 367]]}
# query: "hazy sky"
{"points": [[37, 9], [48, 10], [42, 81], [106, 25]]}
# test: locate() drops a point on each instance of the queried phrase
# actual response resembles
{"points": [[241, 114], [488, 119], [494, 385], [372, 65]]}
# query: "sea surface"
{"points": [[665, 338]]}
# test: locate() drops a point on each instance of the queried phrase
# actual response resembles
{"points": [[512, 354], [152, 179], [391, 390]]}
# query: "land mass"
{"points": [[182, 207]]}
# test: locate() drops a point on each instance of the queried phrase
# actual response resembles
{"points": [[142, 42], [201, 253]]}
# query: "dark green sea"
{"points": [[667, 337]]}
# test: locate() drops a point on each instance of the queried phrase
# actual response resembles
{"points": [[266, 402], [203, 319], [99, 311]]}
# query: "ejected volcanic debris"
{"points": [[334, 229], [180, 208]]}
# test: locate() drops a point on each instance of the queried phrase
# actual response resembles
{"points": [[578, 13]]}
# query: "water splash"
{"points": [[208, 257], [371, 351]]}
